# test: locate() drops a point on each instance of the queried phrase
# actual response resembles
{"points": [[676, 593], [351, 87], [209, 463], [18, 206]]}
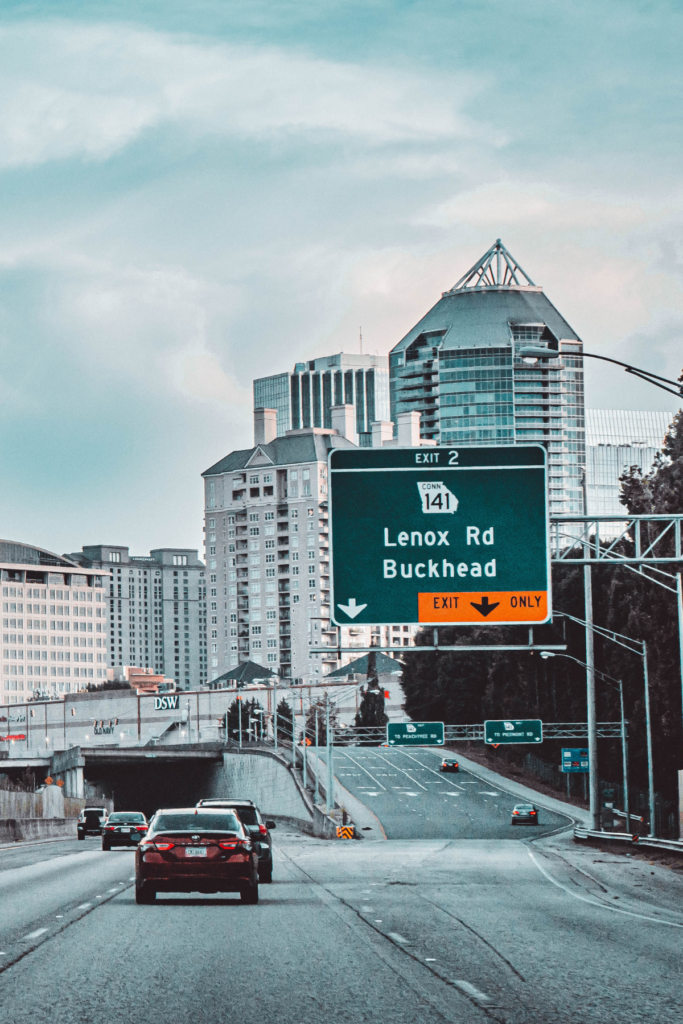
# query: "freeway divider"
{"points": [[676, 845]]}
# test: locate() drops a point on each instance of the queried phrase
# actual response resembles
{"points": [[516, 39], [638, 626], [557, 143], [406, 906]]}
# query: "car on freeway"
{"points": [[449, 764], [260, 830], [91, 821], [524, 814], [196, 849], [123, 828]]}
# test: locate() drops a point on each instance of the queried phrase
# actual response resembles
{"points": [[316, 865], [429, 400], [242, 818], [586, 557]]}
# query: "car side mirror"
{"points": [[270, 825]]}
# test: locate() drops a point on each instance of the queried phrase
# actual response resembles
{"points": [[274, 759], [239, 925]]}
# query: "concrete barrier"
{"points": [[16, 830]]}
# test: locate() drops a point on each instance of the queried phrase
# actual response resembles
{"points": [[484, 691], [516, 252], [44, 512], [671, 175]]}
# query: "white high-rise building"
{"points": [[54, 623]]}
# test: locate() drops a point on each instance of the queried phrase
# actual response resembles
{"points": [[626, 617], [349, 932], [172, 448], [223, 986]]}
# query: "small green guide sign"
{"points": [[525, 730], [439, 535], [415, 734]]}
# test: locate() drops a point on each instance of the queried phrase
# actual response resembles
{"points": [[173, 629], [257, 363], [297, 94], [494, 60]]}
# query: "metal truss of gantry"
{"points": [[354, 735], [648, 539], [496, 269]]}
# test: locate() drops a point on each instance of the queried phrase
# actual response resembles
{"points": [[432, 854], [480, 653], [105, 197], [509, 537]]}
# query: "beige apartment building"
{"points": [[54, 624]]}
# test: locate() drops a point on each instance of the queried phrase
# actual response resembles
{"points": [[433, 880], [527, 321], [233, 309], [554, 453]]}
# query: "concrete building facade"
{"points": [[54, 624], [463, 370], [617, 439], [157, 611], [304, 398]]}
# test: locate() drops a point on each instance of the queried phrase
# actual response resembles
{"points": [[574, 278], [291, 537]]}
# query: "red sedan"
{"points": [[196, 849]]}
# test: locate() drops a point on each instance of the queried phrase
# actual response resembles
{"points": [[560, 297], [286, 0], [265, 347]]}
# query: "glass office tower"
{"points": [[304, 398], [617, 439], [462, 368]]}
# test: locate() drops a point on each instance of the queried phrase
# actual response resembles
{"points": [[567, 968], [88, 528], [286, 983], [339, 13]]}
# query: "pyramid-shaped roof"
{"points": [[243, 674], [484, 304], [384, 665]]}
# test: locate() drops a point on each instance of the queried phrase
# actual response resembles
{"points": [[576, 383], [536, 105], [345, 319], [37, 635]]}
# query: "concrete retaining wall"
{"points": [[51, 803], [263, 778]]}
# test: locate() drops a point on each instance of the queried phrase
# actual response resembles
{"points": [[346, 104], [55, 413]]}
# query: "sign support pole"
{"points": [[590, 696], [648, 727], [275, 716], [624, 757], [679, 596]]}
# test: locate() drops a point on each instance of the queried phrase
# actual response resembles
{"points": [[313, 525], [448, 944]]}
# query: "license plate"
{"points": [[195, 851], [125, 830]]}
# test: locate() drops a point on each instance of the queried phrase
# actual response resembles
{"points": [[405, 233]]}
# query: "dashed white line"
{"points": [[84, 906], [34, 935], [401, 939], [113, 890], [473, 991], [376, 781]]}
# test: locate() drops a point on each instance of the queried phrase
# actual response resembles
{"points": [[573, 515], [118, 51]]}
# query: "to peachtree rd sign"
{"points": [[417, 734], [438, 535], [527, 730]]}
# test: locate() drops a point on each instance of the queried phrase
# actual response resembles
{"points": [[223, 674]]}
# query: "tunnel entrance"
{"points": [[147, 787]]}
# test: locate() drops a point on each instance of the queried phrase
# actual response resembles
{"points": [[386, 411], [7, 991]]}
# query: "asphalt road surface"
{"points": [[414, 800], [412, 932]]}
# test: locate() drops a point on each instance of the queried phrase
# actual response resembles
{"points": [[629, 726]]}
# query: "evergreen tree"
{"points": [[284, 721]]}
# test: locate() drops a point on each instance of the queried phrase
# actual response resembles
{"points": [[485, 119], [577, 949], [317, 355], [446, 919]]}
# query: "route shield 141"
{"points": [[415, 734], [439, 535]]}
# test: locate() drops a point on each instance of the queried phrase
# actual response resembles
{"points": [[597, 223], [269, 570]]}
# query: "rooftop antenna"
{"points": [[360, 334]]}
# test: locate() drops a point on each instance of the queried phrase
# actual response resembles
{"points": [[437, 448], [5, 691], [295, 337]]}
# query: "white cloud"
{"points": [[76, 91]]}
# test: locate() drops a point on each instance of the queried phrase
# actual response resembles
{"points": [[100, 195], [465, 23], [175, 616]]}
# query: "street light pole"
{"points": [[592, 715], [275, 715], [624, 757], [532, 354]]}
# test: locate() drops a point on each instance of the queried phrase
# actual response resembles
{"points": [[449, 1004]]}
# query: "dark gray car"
{"points": [[524, 814], [258, 829]]}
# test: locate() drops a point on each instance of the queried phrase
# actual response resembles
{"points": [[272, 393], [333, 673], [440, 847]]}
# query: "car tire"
{"points": [[144, 894], [105, 846], [265, 875], [81, 838], [249, 894]]}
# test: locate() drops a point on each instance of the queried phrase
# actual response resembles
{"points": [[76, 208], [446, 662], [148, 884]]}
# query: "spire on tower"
{"points": [[496, 269]]}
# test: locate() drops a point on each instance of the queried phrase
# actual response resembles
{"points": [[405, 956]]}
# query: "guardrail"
{"points": [[627, 837]]}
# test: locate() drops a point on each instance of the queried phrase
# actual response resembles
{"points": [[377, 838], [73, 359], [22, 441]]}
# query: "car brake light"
{"points": [[108, 828], [263, 830], [163, 846], [141, 828], [532, 812], [515, 812]]}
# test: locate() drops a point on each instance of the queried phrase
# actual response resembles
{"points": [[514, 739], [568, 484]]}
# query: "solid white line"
{"points": [[376, 781], [600, 906], [470, 990], [35, 934], [414, 781]]}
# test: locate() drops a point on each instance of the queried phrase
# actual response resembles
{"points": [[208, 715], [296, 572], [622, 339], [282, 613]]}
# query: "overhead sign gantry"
{"points": [[440, 535]]}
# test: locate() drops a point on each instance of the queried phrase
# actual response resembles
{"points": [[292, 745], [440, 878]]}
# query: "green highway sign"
{"points": [[439, 535], [415, 734], [514, 730]]}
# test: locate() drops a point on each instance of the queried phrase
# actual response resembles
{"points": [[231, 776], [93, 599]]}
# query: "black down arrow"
{"points": [[485, 608]]}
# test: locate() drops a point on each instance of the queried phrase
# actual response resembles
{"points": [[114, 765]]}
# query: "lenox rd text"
{"points": [[474, 535]]}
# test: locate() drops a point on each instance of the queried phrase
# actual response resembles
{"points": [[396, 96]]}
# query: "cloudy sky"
{"points": [[193, 195]]}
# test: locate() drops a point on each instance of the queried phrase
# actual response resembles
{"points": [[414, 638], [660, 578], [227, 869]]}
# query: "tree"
{"points": [[284, 721], [243, 709], [318, 709]]}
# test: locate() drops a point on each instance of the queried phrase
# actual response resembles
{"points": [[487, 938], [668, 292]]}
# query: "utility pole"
{"points": [[304, 758], [648, 727], [239, 717], [679, 597]]}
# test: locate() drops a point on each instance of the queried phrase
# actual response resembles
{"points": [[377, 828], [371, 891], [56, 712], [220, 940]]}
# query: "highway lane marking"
{"points": [[401, 939], [485, 792], [469, 989], [376, 781], [600, 906], [84, 906], [34, 935], [391, 763], [417, 760], [114, 890]]}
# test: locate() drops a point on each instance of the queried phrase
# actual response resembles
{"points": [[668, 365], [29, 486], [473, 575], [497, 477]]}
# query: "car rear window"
{"points": [[196, 823], [247, 815], [524, 807], [122, 816]]}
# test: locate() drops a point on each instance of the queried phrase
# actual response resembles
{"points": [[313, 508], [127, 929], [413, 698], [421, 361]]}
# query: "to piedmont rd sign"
{"points": [[527, 730], [439, 535], [415, 734]]}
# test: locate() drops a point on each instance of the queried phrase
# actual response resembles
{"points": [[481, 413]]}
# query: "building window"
{"points": [[305, 483], [253, 516], [181, 559], [294, 483], [114, 556]]}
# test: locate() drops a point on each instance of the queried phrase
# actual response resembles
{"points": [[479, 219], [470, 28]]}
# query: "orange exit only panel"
{"points": [[499, 606]]}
